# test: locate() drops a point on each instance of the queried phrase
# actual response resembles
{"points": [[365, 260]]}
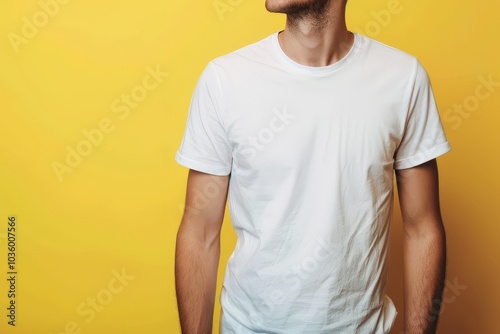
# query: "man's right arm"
{"points": [[198, 250]]}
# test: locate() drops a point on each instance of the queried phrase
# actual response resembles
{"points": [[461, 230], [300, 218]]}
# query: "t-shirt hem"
{"points": [[201, 166], [422, 157]]}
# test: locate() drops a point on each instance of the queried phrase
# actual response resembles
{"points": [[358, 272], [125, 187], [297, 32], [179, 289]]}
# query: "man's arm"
{"points": [[424, 246], [198, 250]]}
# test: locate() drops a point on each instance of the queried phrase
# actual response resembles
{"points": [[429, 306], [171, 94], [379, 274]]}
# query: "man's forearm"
{"points": [[196, 264], [424, 272]]}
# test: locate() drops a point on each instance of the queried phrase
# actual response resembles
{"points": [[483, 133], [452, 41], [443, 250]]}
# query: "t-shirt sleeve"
{"points": [[205, 146], [424, 138]]}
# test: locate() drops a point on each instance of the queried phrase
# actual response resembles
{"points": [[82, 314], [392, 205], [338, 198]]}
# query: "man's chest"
{"points": [[273, 127]]}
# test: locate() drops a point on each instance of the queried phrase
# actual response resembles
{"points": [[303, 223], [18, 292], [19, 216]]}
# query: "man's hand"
{"points": [[424, 246], [198, 250]]}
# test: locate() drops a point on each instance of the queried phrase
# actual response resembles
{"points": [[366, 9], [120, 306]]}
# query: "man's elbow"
{"points": [[424, 228], [197, 230]]}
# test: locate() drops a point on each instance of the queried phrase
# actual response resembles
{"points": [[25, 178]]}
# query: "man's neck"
{"points": [[317, 41]]}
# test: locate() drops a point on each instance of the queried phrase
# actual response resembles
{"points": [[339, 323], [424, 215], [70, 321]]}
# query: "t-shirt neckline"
{"points": [[316, 70]]}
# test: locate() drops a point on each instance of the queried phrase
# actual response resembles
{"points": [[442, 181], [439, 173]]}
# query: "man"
{"points": [[304, 129]]}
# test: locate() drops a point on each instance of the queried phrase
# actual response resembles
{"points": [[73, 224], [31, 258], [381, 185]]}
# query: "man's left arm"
{"points": [[424, 246]]}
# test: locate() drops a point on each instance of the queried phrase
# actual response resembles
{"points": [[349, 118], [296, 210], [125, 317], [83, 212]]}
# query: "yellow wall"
{"points": [[113, 211]]}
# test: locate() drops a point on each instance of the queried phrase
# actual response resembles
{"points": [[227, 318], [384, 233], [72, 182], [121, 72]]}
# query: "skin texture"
{"points": [[198, 250], [315, 31], [315, 34], [424, 246]]}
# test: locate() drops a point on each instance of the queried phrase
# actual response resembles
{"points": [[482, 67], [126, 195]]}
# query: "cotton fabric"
{"points": [[311, 153]]}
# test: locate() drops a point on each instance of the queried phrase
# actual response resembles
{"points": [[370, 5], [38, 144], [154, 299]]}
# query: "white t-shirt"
{"points": [[311, 153]]}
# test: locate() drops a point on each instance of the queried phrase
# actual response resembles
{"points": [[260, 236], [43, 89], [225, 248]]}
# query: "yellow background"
{"points": [[119, 208]]}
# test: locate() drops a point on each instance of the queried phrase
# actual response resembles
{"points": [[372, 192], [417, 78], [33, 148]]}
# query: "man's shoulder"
{"points": [[385, 54], [255, 52], [261, 54]]}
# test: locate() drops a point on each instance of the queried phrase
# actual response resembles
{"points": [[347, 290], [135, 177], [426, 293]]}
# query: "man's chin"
{"points": [[279, 6], [273, 8], [296, 6]]}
